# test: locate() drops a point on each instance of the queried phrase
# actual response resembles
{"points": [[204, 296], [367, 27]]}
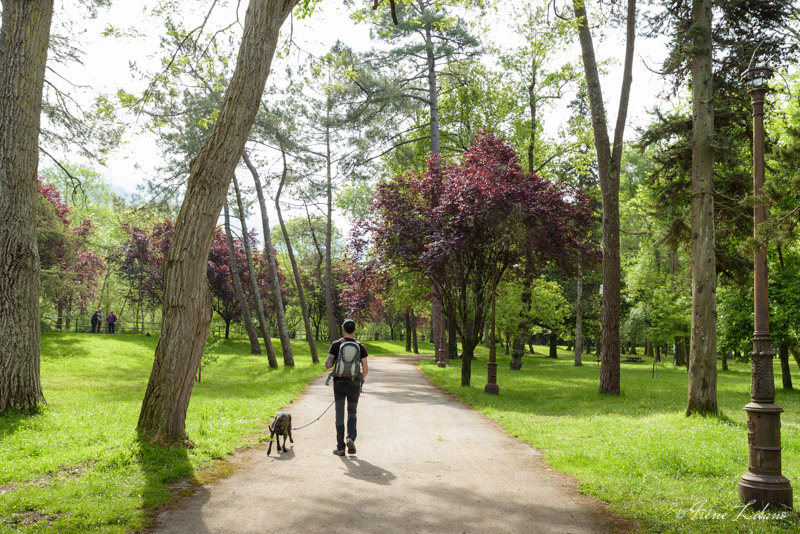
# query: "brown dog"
{"points": [[281, 426]]}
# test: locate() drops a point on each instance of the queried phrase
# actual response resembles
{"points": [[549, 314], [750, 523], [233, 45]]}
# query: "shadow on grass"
{"points": [[160, 466], [555, 387], [10, 423]]}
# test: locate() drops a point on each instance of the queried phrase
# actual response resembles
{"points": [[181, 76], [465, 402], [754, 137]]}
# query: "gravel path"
{"points": [[425, 463]]}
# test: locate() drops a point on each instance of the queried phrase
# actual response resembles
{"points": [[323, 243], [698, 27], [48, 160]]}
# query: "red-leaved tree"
{"points": [[70, 269], [463, 225]]}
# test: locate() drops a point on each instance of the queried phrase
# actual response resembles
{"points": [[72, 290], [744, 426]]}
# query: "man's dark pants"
{"points": [[350, 390]]}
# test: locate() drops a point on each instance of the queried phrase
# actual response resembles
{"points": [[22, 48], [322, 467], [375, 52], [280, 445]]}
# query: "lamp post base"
{"points": [[491, 387], [765, 492], [763, 486]]}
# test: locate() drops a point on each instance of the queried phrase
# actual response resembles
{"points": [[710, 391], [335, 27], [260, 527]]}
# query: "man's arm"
{"points": [[364, 368]]}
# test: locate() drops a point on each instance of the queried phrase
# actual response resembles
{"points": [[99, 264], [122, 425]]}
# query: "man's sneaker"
{"points": [[338, 452], [351, 446]]}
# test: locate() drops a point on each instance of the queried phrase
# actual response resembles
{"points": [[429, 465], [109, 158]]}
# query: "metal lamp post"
{"points": [[763, 485], [444, 357], [491, 386]]}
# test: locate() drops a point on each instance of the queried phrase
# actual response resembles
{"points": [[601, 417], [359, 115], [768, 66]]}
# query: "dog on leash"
{"points": [[281, 426]]}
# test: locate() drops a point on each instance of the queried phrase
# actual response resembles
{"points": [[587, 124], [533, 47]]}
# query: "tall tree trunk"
{"points": [[608, 162], [310, 337], [263, 322], [786, 374], [703, 341], [680, 352], [255, 347], [532, 108], [187, 301], [414, 333], [522, 328], [24, 39], [579, 316], [553, 344], [333, 329], [725, 355], [408, 331], [277, 297], [437, 310], [449, 320], [452, 338]]}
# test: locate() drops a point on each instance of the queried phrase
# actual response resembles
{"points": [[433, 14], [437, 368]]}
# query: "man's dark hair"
{"points": [[349, 326]]}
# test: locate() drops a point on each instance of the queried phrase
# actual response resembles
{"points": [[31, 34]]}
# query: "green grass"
{"points": [[638, 452], [77, 467]]}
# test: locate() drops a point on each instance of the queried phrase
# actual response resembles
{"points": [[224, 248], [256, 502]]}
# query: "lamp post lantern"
{"points": [[763, 486]]}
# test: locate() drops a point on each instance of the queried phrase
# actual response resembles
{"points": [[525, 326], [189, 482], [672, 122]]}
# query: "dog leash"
{"points": [[317, 419], [326, 409]]}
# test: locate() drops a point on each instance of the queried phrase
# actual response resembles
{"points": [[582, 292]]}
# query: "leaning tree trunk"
{"points": [[608, 162], [522, 327], [277, 298], [263, 323], [186, 302], [24, 38], [703, 340], [310, 337], [579, 317], [255, 347]]}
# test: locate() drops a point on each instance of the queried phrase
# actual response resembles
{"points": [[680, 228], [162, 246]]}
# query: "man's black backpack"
{"points": [[348, 364]]}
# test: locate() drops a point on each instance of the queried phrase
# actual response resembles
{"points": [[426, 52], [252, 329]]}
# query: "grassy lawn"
{"points": [[638, 452], [77, 467]]}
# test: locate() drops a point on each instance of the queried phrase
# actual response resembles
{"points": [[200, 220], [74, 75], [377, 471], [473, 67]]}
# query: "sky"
{"points": [[106, 68]]}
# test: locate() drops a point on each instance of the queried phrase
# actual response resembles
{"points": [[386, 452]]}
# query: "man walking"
{"points": [[348, 358]]}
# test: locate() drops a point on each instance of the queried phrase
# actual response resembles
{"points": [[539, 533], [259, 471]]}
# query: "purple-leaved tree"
{"points": [[463, 225]]}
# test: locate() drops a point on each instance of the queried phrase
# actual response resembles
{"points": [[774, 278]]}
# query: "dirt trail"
{"points": [[424, 463]]}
